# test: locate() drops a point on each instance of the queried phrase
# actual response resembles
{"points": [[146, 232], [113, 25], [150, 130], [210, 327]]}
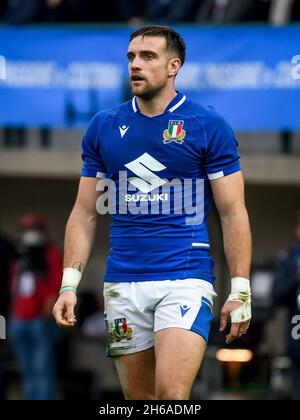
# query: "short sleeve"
{"points": [[221, 157], [93, 165]]}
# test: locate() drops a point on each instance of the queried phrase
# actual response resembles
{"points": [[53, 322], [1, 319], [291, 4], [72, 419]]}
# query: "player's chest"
{"points": [[173, 143]]}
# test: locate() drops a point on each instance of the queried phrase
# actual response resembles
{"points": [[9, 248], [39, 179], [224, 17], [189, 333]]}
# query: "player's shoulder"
{"points": [[204, 113], [106, 115]]}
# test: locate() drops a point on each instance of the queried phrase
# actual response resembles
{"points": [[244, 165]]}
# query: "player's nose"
{"points": [[135, 64]]}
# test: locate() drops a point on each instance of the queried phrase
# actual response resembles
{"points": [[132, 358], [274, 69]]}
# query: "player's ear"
{"points": [[174, 66]]}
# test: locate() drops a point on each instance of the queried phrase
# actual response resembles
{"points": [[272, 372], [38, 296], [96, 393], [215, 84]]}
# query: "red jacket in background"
{"points": [[46, 287]]}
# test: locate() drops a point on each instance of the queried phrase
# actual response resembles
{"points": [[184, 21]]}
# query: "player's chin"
{"points": [[140, 85], [137, 90]]}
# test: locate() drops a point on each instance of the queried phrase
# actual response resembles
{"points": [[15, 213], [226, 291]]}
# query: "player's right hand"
{"points": [[63, 310]]}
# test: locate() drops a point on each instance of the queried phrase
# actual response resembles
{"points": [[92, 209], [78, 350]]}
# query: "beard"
{"points": [[147, 92]]}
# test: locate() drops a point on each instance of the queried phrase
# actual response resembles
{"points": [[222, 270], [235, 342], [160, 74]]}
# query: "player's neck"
{"points": [[156, 105]]}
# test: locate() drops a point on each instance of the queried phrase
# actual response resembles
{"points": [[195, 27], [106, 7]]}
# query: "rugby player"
{"points": [[159, 281]]}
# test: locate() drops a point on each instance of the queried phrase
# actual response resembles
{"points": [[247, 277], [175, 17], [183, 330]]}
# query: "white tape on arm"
{"points": [[241, 292], [71, 278]]}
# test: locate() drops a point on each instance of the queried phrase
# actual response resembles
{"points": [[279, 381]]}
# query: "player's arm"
{"points": [[228, 192], [79, 239]]}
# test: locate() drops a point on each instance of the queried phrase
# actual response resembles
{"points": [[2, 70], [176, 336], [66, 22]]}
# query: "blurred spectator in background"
{"points": [[56, 11], [136, 12], [36, 278], [283, 11], [95, 10], [287, 292], [224, 11], [22, 11], [3, 7], [158, 11], [132, 11], [7, 254]]}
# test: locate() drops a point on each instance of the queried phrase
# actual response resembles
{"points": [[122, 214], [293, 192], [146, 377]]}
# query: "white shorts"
{"points": [[134, 311]]}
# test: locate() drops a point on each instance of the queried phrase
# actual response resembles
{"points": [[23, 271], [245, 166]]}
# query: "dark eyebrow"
{"points": [[142, 52]]}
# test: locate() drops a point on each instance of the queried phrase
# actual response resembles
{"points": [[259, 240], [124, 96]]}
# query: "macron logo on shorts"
{"points": [[184, 309]]}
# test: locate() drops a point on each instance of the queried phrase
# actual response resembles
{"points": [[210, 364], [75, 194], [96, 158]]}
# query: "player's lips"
{"points": [[136, 82], [136, 78]]}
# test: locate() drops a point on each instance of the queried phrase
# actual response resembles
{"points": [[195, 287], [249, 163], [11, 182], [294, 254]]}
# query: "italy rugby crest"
{"points": [[174, 132], [120, 331]]}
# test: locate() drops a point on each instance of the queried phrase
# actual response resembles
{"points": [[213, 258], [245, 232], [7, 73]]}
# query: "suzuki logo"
{"points": [[143, 167]]}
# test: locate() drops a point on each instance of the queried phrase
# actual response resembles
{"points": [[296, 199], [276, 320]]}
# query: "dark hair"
{"points": [[174, 40]]}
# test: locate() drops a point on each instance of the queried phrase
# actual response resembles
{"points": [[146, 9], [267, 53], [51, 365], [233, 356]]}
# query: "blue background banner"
{"points": [[60, 77]]}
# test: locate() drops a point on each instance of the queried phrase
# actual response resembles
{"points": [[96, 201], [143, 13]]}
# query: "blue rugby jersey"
{"points": [[158, 171]]}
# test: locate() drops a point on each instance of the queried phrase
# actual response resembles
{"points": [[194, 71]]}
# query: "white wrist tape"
{"points": [[241, 292], [71, 277]]}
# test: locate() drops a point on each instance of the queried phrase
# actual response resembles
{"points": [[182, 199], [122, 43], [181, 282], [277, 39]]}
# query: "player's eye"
{"points": [[148, 56], [130, 58]]}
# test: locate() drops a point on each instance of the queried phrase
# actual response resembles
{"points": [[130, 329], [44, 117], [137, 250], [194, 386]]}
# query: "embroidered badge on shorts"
{"points": [[121, 331]]}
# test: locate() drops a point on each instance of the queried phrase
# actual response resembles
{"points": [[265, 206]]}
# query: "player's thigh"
{"points": [[182, 325], [179, 354], [136, 372]]}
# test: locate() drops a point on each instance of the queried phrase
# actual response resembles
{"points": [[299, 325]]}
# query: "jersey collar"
{"points": [[173, 105]]}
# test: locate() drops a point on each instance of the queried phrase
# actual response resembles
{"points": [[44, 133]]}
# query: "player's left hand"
{"points": [[238, 329]]}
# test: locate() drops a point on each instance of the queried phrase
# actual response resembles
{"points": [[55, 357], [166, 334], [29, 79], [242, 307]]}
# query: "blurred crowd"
{"points": [[34, 351], [31, 271], [135, 12]]}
